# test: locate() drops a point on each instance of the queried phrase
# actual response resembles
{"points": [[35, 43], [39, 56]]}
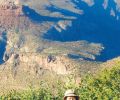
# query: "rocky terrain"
{"points": [[44, 40]]}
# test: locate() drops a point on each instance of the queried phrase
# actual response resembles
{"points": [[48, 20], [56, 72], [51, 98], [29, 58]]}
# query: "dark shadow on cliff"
{"points": [[96, 25], [36, 17], [62, 11], [2, 47]]}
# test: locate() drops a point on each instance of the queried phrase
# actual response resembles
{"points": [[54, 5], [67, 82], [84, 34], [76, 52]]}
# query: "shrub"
{"points": [[103, 86]]}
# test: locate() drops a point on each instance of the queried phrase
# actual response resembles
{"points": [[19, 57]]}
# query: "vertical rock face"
{"points": [[11, 15], [9, 4], [58, 64], [17, 2]]}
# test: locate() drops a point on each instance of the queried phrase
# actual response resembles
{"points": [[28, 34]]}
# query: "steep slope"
{"points": [[48, 39]]}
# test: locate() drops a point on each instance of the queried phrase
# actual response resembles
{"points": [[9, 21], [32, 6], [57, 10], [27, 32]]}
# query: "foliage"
{"points": [[103, 86]]}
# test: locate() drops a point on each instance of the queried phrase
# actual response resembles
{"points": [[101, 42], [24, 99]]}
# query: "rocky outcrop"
{"points": [[11, 16], [34, 62]]}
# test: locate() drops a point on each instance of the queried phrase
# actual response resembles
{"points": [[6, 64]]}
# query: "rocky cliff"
{"points": [[44, 40], [12, 17]]}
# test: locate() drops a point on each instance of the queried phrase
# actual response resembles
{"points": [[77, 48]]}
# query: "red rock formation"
{"points": [[11, 16]]}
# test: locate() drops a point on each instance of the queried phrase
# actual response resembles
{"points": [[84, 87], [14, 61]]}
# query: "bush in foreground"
{"points": [[103, 86]]}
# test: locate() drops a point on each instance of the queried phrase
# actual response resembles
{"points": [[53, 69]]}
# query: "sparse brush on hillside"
{"points": [[103, 86]]}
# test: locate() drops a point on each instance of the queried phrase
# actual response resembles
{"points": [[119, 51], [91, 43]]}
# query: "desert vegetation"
{"points": [[45, 45], [103, 86]]}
